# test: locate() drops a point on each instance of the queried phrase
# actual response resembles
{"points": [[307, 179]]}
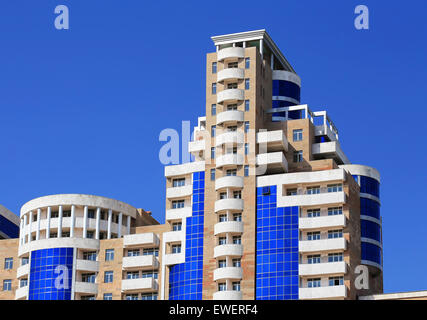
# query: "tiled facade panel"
{"points": [[185, 279], [51, 274], [277, 248]]}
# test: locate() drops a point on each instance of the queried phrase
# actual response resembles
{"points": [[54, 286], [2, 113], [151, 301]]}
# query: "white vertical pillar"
{"points": [[39, 211], [21, 231], [128, 224], [73, 220], [85, 210], [25, 226], [60, 215], [29, 226], [98, 219], [110, 218], [244, 44], [119, 231], [49, 215], [261, 47], [272, 62]]}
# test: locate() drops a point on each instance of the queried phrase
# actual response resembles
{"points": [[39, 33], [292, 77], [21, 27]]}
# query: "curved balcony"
{"points": [[230, 95], [229, 182], [230, 74], [228, 227], [229, 160], [21, 293], [232, 52], [229, 204], [233, 250], [228, 273], [230, 138], [227, 295], [23, 271]]}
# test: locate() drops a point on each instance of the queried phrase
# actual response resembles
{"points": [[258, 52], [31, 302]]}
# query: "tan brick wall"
{"points": [[9, 249]]}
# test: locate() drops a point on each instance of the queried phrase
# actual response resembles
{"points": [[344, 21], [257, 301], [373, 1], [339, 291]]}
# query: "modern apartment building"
{"points": [[269, 208]]}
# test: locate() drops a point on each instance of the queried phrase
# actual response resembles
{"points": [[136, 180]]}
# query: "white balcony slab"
{"points": [[273, 161], [322, 268], [230, 138], [229, 204], [196, 146], [85, 287], [229, 182], [23, 271], [322, 222], [173, 258], [174, 236], [228, 227], [230, 74], [322, 245], [228, 250], [141, 239], [227, 295], [327, 150], [230, 159], [179, 192], [231, 52], [87, 265], [183, 169], [140, 262], [333, 292], [143, 284], [230, 116], [233, 273], [176, 214], [230, 95], [312, 199], [273, 140], [21, 293]]}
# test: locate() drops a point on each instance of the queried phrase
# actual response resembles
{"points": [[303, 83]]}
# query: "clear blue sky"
{"points": [[81, 110]]}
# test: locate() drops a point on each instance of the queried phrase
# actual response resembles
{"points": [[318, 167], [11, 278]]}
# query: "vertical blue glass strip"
{"points": [[51, 273], [185, 279], [277, 254]]}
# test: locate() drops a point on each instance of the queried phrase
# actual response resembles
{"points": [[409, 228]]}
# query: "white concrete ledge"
{"points": [[87, 265], [227, 295], [196, 146], [21, 293], [140, 262], [322, 268], [141, 239], [173, 258], [230, 138], [322, 222], [228, 227], [333, 149], [230, 95], [229, 204], [234, 273], [81, 243], [312, 199], [179, 192], [361, 170], [274, 139], [23, 271], [230, 116], [323, 292], [147, 284], [186, 168], [228, 250], [231, 52], [176, 214], [230, 74], [229, 182], [85, 287], [229, 160], [273, 160], [322, 245]]}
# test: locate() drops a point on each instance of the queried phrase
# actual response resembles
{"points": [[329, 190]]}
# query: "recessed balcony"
{"points": [[322, 245], [274, 162], [230, 74], [21, 293], [23, 271], [230, 95], [322, 268], [227, 295], [230, 159], [229, 204], [195, 147], [85, 287], [228, 227], [140, 262], [230, 117], [328, 150], [87, 265], [140, 284], [179, 192], [322, 222], [273, 140], [229, 182], [180, 213], [234, 273], [230, 53], [173, 258], [234, 250], [230, 138], [323, 292]]}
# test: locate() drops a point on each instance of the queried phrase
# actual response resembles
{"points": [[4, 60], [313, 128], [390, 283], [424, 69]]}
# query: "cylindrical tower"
{"points": [[59, 243], [286, 93], [369, 181]]}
